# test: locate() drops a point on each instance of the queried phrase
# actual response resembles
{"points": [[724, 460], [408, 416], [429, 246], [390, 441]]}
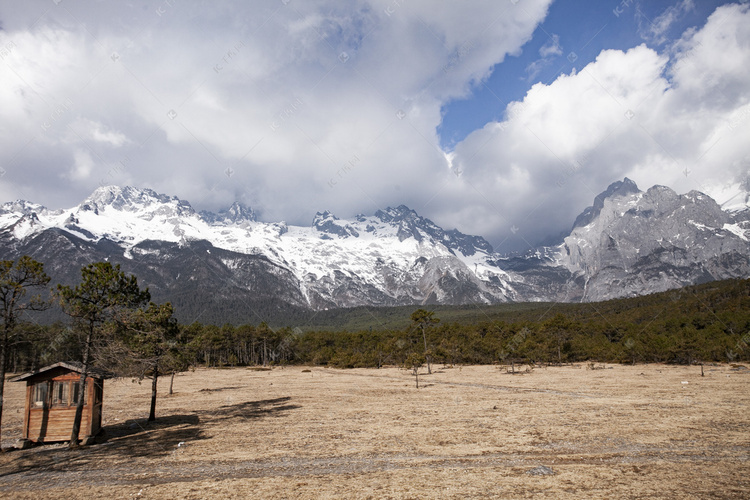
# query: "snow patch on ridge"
{"points": [[736, 230]]}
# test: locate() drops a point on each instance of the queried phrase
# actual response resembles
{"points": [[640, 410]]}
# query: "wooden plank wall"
{"points": [[58, 423], [55, 423]]}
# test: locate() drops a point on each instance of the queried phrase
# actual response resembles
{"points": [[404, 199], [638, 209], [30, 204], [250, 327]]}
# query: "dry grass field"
{"points": [[645, 431]]}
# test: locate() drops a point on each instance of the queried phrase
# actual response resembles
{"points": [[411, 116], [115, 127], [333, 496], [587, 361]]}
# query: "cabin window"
{"points": [[61, 393], [76, 388], [64, 393], [40, 394]]}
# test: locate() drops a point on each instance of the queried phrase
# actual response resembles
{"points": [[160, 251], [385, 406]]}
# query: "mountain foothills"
{"points": [[230, 265]]}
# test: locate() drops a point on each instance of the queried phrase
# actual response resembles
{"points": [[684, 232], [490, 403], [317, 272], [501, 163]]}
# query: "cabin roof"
{"points": [[69, 365]]}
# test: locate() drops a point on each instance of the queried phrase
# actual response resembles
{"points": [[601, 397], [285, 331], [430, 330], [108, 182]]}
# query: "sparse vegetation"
{"points": [[698, 324], [470, 432]]}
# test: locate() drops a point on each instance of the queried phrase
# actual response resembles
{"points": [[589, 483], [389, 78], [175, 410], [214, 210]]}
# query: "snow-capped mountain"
{"points": [[628, 242], [393, 257]]}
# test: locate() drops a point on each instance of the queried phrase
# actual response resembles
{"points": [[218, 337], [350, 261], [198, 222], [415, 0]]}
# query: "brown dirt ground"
{"points": [[645, 431]]}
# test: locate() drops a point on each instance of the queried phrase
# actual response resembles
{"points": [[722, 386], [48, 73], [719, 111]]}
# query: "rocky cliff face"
{"points": [[648, 242]]}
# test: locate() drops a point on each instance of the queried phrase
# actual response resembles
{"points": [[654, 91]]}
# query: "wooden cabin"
{"points": [[51, 396]]}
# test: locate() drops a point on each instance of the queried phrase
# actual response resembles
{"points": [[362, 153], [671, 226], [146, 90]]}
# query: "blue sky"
{"points": [[472, 113], [581, 30]]}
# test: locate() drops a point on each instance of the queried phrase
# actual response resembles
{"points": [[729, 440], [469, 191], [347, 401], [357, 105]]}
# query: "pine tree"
{"points": [[15, 280], [103, 296]]}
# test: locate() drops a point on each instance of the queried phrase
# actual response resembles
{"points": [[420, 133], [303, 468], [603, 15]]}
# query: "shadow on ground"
{"points": [[140, 438], [137, 438], [219, 389], [120, 442], [252, 409]]}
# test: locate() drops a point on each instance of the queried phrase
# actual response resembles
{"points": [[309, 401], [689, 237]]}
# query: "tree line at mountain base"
{"points": [[696, 324]]}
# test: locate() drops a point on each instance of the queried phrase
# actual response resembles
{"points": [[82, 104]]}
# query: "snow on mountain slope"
{"points": [[378, 251], [627, 243]]}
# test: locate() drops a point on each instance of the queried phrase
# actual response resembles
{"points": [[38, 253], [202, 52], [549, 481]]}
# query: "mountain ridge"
{"points": [[629, 242]]}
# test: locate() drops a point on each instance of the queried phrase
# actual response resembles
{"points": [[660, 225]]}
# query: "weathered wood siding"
{"points": [[56, 424]]}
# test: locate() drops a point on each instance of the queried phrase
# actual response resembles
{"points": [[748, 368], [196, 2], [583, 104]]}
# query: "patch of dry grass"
{"points": [[624, 431]]}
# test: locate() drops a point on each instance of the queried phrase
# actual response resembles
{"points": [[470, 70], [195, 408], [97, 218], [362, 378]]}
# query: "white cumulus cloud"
{"points": [[680, 121], [295, 107]]}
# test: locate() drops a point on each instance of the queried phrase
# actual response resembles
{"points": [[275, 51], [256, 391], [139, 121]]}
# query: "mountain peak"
{"points": [[617, 188], [398, 214], [638, 243], [624, 187], [239, 211], [21, 206], [325, 214], [131, 199], [412, 225], [327, 223], [235, 214]]}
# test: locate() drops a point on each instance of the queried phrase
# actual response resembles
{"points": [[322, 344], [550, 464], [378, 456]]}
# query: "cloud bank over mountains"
{"points": [[295, 107]]}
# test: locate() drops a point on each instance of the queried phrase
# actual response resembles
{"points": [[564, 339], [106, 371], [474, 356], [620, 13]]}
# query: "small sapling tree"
{"points": [[422, 319], [414, 362]]}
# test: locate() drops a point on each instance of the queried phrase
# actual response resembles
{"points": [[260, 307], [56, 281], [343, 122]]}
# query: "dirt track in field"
{"points": [[623, 431]]}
